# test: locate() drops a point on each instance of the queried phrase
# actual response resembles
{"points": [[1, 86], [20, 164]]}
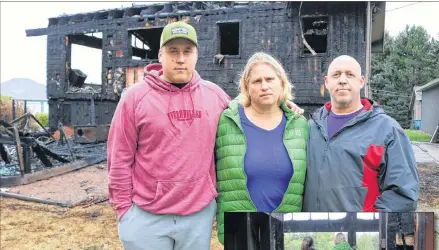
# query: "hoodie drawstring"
{"points": [[193, 105], [152, 77]]}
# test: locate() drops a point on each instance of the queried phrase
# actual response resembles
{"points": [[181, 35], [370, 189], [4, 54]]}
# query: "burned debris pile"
{"points": [[26, 150], [19, 145]]}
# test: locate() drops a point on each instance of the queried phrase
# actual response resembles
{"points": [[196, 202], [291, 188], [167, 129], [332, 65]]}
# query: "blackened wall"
{"points": [[272, 28], [275, 29], [73, 108]]}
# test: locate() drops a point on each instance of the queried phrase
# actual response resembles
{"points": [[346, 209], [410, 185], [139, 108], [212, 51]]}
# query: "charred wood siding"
{"points": [[271, 27], [276, 30]]}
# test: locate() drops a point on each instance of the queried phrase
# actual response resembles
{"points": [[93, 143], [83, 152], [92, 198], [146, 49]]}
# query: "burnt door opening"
{"points": [[145, 43]]}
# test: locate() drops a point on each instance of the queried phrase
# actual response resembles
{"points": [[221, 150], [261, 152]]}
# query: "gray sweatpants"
{"points": [[141, 230]]}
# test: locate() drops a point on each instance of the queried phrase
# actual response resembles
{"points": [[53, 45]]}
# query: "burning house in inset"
{"points": [[305, 37], [402, 230]]}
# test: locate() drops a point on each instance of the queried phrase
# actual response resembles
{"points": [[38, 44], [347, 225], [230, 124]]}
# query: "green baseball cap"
{"points": [[178, 30]]}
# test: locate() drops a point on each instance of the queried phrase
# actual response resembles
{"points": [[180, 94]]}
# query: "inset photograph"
{"points": [[329, 231]]}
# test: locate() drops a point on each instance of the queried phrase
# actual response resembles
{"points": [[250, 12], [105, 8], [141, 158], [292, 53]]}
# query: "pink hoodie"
{"points": [[160, 150]]}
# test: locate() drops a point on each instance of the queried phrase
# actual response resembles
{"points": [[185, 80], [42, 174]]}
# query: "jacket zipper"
{"points": [[325, 137], [243, 169], [291, 159], [283, 142], [327, 140]]}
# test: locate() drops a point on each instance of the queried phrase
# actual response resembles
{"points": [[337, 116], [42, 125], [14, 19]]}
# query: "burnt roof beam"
{"points": [[139, 52], [138, 36], [88, 41], [342, 225], [36, 32]]}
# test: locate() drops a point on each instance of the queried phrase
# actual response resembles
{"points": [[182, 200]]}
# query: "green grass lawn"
{"points": [[4, 97], [418, 135]]}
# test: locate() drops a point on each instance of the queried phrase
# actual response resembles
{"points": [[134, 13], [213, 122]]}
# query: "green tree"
{"points": [[43, 118], [367, 241], [324, 241], [409, 59], [435, 53]]}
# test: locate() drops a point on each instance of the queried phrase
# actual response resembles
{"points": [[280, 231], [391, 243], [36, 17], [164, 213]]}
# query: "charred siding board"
{"points": [[271, 28], [77, 112], [81, 112], [56, 72]]}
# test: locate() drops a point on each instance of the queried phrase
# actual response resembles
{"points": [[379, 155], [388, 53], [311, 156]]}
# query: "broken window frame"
{"points": [[131, 34], [96, 87], [218, 24], [303, 46]]}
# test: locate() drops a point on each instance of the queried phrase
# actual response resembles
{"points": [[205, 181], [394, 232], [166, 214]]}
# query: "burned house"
{"points": [[304, 36]]}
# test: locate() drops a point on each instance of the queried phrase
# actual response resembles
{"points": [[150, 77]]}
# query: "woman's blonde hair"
{"points": [[339, 238], [261, 57]]}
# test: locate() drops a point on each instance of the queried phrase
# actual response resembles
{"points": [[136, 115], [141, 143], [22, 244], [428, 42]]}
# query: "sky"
{"points": [[324, 216], [25, 57]]}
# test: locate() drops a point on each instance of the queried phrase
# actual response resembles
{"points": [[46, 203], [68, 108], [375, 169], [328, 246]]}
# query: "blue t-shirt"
{"points": [[266, 163], [336, 122]]}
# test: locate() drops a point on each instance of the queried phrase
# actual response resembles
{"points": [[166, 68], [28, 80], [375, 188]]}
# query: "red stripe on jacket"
{"points": [[371, 167]]}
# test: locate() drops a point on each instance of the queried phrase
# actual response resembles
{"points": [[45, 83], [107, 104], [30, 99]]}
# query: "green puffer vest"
{"points": [[230, 148], [343, 246]]}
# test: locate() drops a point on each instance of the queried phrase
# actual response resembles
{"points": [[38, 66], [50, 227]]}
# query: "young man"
{"points": [[161, 150], [359, 158]]}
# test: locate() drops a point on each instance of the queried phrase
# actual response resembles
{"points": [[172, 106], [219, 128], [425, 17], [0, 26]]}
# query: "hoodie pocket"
{"points": [[178, 196]]}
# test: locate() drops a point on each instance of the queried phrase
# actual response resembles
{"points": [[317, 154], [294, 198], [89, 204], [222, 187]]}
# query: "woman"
{"points": [[340, 242], [260, 145], [307, 243]]}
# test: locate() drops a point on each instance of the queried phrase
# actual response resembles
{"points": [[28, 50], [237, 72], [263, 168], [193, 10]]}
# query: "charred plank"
{"points": [[36, 32]]}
